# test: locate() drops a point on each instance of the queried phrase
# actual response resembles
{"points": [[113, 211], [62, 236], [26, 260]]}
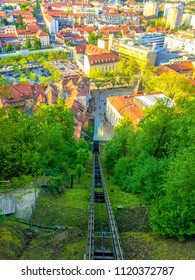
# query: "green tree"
{"points": [[17, 47], [127, 70], [19, 19], [97, 76], [32, 76], [37, 43], [173, 214], [8, 47], [93, 38], [118, 146], [173, 85], [19, 145], [28, 44], [4, 21], [23, 79], [80, 170], [110, 76]]}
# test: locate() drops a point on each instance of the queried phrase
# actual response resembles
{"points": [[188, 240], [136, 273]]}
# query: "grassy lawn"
{"points": [[66, 244], [13, 238], [148, 246], [69, 210]]}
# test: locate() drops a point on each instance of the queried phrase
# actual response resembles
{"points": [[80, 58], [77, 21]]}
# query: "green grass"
{"points": [[116, 195], [56, 245], [149, 246], [69, 210], [13, 237]]}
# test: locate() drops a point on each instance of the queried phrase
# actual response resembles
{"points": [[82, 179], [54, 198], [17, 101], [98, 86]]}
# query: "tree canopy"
{"points": [[42, 144], [156, 161]]}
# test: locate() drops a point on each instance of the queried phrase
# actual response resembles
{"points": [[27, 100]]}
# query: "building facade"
{"points": [[174, 16], [151, 9], [152, 40], [140, 53], [52, 24], [103, 43], [180, 43], [105, 62]]}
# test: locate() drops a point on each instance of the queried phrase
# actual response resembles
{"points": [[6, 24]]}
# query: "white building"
{"points": [[167, 6], [174, 16], [43, 36], [192, 22], [151, 9], [8, 29], [180, 43], [105, 62], [186, 19], [52, 24]]}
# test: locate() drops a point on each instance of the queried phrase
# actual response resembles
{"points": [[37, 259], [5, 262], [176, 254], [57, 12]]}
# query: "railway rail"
{"points": [[103, 241]]}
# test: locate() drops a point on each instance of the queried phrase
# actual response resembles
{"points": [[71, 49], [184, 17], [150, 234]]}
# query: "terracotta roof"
{"points": [[103, 58], [90, 49], [184, 67], [26, 13], [126, 107], [80, 49], [41, 33], [78, 128], [163, 69], [33, 26], [56, 13], [12, 1], [2, 14], [20, 92], [48, 18], [78, 111]]}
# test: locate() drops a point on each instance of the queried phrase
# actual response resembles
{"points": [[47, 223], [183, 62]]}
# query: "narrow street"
{"points": [[103, 130]]}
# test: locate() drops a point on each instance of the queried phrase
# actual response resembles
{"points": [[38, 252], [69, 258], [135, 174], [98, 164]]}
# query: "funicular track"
{"points": [[103, 242]]}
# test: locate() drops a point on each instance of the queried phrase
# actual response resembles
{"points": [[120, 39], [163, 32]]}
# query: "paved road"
{"points": [[103, 130]]}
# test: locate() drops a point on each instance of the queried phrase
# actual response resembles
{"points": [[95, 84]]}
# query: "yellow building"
{"points": [[140, 53]]}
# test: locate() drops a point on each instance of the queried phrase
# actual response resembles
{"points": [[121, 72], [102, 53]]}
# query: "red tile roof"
{"points": [[126, 107], [103, 58], [20, 92], [41, 33], [184, 67]]}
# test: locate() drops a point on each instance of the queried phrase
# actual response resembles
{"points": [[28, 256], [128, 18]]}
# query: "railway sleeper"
{"points": [[103, 254], [99, 197]]}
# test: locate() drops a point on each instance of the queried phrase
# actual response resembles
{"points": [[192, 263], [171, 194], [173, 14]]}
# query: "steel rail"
{"points": [[99, 181]]}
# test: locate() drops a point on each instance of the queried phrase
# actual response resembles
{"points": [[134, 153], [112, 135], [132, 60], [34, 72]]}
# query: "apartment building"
{"points": [[174, 16], [131, 106], [151, 9], [167, 6], [105, 62], [120, 106], [173, 42], [152, 40], [103, 43], [141, 53], [31, 32], [7, 29], [52, 24]]}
